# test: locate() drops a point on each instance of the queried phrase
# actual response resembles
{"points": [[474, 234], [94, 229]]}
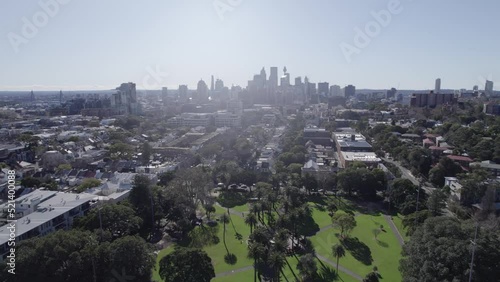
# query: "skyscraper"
{"points": [[164, 95], [125, 99], [488, 88], [202, 90], [219, 85], [183, 92], [323, 88], [298, 81], [60, 97], [335, 90], [212, 84], [32, 96], [437, 87], [285, 79], [263, 74], [350, 91], [273, 78]]}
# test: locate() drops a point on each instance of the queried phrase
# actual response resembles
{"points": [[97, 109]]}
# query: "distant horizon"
{"points": [[370, 44]]}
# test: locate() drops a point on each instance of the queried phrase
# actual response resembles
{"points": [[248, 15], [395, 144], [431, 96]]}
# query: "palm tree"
{"points": [[251, 220], [276, 261], [256, 251], [338, 252], [307, 267]]}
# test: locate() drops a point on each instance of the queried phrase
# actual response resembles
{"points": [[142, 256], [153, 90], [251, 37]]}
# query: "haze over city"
{"points": [[87, 45]]}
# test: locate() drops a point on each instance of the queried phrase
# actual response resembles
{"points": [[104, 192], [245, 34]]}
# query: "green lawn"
{"points": [[245, 276], [161, 254], [243, 208], [367, 252], [362, 256]]}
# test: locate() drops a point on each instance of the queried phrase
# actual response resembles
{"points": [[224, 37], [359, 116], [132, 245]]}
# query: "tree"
{"points": [[307, 267], [30, 182], [371, 277], [142, 200], [146, 153], [189, 265], [414, 220], [309, 183], [437, 202], [64, 167], [133, 256], [166, 177], [251, 220], [75, 255], [121, 150], [209, 209], [441, 250], [119, 220], [88, 183], [345, 222], [338, 252], [403, 195]]}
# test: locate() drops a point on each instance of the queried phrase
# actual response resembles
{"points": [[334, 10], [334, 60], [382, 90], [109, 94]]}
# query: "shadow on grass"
{"points": [[307, 226], [359, 250], [382, 244], [326, 273], [200, 237], [230, 258]]}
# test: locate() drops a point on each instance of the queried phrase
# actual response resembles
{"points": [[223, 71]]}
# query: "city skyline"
{"points": [[415, 43]]}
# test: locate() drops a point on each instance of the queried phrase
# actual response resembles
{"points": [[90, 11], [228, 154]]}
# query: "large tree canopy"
{"points": [[441, 249], [188, 265]]}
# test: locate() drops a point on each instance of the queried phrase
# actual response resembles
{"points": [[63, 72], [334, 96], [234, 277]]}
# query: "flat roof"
{"points": [[354, 144], [360, 156], [46, 211]]}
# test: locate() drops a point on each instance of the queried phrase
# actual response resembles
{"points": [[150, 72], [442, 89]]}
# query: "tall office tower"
{"points": [[212, 84], [335, 90], [285, 79], [202, 90], [32, 96], [350, 91], [219, 85], [263, 75], [273, 78], [475, 88], [391, 93], [164, 95], [488, 88], [183, 92], [60, 97], [125, 99], [323, 88], [298, 81], [437, 87]]}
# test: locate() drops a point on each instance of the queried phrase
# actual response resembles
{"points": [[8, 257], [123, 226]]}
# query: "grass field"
{"points": [[363, 251]]}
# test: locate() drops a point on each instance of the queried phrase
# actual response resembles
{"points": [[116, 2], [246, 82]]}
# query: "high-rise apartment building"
{"points": [[323, 88], [350, 91], [437, 87]]}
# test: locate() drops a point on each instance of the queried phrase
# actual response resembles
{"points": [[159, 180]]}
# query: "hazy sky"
{"points": [[97, 44]]}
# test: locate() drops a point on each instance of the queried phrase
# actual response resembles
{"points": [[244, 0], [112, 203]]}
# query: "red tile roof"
{"points": [[460, 158]]}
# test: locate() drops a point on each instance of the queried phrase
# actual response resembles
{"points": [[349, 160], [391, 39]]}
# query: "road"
{"points": [[427, 187], [405, 173]]}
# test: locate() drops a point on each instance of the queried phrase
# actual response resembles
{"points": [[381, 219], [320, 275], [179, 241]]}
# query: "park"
{"points": [[373, 245]]}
